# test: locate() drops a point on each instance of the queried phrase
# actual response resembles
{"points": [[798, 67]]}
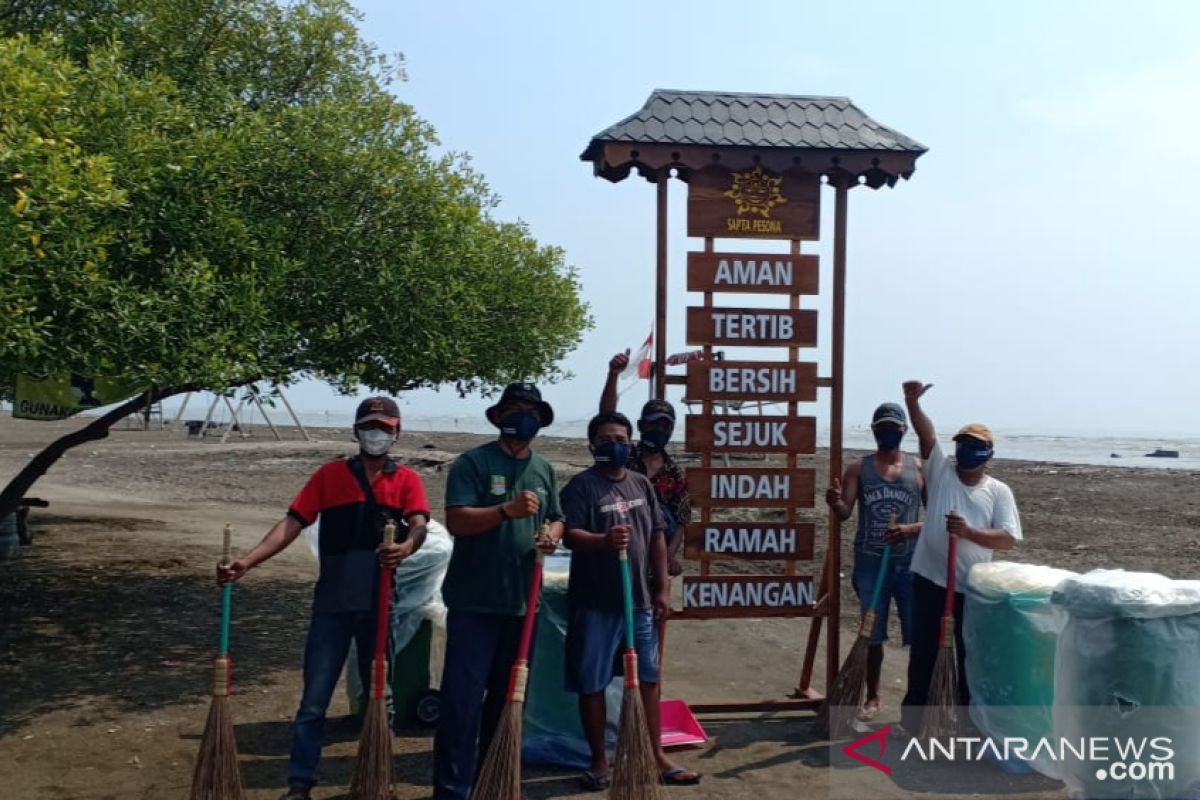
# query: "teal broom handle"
{"points": [[627, 591], [226, 592], [877, 592]]}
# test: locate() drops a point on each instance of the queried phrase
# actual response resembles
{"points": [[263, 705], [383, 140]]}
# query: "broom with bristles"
{"points": [[635, 769], [216, 776], [372, 775], [500, 776], [847, 688], [941, 703]]}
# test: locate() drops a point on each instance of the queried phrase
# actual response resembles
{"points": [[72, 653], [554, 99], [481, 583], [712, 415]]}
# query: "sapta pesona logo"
{"points": [[1109, 758], [755, 192]]}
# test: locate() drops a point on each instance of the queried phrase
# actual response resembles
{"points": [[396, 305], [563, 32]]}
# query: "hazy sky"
{"points": [[1040, 267]]}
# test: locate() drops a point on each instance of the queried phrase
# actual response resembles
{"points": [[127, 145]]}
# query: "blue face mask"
{"points": [[655, 441], [611, 454], [970, 455], [520, 425], [888, 437]]}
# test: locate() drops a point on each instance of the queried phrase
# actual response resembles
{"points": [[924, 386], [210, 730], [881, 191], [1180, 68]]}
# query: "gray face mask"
{"points": [[375, 442]]}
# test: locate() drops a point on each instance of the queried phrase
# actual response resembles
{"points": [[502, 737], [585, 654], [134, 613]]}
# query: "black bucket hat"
{"points": [[522, 392]]}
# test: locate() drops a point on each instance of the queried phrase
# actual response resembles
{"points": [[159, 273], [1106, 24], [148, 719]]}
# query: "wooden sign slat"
{"points": [[752, 381], [751, 487], [753, 203], [735, 596], [751, 434], [752, 327], [758, 541], [753, 273]]}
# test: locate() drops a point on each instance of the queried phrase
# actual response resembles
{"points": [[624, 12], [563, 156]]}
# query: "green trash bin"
{"points": [[415, 701], [1126, 671], [1011, 633], [410, 679]]}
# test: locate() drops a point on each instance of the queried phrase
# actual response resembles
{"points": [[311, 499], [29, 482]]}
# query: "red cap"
{"points": [[381, 409]]}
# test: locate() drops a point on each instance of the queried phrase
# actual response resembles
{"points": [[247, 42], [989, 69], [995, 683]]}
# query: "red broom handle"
{"points": [[520, 669], [951, 570], [531, 606], [382, 612], [951, 573]]}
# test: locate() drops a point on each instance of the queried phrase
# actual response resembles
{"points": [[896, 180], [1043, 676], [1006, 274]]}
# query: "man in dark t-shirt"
{"points": [[610, 508], [354, 498]]}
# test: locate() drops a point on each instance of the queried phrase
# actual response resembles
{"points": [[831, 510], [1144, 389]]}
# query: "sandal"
{"points": [[868, 712], [678, 776], [594, 781]]}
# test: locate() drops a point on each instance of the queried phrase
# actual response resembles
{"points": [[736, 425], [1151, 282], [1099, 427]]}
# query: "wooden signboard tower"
{"points": [[755, 165]]}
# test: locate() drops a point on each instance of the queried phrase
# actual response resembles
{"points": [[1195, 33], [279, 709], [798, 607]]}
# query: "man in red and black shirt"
{"points": [[354, 498]]}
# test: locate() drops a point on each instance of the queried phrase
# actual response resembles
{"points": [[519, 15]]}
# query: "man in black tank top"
{"points": [[887, 487]]}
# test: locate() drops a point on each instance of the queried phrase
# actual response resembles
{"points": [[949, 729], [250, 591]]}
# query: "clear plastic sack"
{"points": [[416, 597], [553, 734]]}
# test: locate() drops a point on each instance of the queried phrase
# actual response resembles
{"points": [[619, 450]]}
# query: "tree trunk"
{"points": [[95, 430]]}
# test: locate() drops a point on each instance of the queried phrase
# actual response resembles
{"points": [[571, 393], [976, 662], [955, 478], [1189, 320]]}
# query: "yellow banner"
{"points": [[60, 396]]}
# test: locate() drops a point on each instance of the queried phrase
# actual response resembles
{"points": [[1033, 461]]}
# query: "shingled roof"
{"points": [[761, 121]]}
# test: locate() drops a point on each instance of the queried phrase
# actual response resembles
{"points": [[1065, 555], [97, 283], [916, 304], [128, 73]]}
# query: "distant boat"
{"points": [[1160, 453]]}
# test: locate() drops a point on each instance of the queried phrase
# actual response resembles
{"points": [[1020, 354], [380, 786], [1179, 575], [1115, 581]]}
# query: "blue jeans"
{"points": [[480, 652], [897, 586], [325, 651]]}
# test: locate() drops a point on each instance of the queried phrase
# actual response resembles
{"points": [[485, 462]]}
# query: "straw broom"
{"points": [[847, 688], [941, 703], [500, 776], [635, 769], [372, 775], [216, 776]]}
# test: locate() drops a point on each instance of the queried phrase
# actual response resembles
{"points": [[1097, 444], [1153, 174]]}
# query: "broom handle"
{"points": [[877, 592], [531, 607], [951, 569], [382, 612], [951, 572], [226, 590], [627, 593]]}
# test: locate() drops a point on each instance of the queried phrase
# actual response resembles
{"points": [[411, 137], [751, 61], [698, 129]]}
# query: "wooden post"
{"points": [[208, 417], [841, 196], [295, 419], [263, 411], [233, 420], [707, 408], [182, 407], [146, 411], [660, 304]]}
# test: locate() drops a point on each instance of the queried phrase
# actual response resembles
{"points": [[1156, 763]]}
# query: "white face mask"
{"points": [[375, 442]]}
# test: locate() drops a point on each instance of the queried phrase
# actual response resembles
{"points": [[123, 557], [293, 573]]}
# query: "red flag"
{"points": [[640, 362]]}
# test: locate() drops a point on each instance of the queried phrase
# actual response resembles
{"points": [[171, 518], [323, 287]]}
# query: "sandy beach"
{"points": [[109, 620]]}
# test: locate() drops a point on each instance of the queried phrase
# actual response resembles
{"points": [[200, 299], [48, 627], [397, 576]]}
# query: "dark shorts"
{"points": [[897, 587], [596, 647]]}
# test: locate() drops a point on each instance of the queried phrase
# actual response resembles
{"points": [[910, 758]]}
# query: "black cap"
{"points": [[890, 412], [658, 409], [382, 409], [522, 392]]}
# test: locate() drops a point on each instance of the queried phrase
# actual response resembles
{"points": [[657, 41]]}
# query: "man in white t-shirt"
{"points": [[984, 520]]}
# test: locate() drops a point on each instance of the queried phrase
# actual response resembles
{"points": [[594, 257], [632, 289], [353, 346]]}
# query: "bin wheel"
{"points": [[429, 708]]}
